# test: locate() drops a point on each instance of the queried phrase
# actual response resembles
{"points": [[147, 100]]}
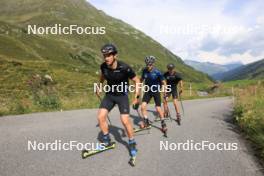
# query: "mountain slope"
{"points": [[212, 69], [133, 44], [254, 70], [71, 60]]}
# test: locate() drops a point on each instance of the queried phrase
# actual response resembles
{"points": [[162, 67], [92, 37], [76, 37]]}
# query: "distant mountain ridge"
{"points": [[253, 70], [212, 69]]}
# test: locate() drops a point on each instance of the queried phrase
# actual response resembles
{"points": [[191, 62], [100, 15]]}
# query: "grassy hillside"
{"points": [[251, 71], [249, 103], [71, 60]]}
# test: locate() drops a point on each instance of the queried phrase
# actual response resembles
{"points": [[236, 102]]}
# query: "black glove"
{"points": [[135, 106]]}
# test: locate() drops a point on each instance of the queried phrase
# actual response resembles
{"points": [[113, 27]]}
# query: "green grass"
{"points": [[249, 114], [241, 83]]}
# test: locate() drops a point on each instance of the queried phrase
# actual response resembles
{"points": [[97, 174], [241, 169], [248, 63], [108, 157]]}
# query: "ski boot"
{"points": [[145, 124], [132, 152], [105, 145], [106, 141], [178, 118], [164, 128]]}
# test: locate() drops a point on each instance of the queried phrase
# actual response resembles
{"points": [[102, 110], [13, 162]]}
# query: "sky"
{"points": [[220, 31]]}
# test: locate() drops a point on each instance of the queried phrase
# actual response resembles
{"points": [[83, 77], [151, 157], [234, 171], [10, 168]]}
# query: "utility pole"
{"points": [[190, 89]]}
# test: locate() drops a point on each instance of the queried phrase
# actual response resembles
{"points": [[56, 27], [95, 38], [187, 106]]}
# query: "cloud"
{"points": [[220, 59], [196, 29], [249, 40]]}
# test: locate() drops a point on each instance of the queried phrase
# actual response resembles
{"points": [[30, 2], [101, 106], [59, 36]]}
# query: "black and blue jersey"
{"points": [[153, 77]]}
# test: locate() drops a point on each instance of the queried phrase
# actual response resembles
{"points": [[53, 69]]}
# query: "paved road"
{"points": [[204, 120]]}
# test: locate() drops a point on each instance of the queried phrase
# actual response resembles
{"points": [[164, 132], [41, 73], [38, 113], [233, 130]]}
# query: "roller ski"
{"points": [[157, 119], [132, 152], [144, 126], [136, 130], [102, 148], [105, 145]]}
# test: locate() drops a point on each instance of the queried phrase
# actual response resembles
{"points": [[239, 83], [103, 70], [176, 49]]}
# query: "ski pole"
{"points": [[169, 112], [181, 102]]}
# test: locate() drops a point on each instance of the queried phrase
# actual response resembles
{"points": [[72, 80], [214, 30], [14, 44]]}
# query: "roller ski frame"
{"points": [[88, 153], [136, 130], [157, 119]]}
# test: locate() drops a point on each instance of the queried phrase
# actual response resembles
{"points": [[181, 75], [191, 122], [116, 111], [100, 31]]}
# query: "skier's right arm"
{"points": [[142, 76]]}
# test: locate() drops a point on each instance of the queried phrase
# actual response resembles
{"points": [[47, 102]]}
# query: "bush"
{"points": [[19, 108], [44, 93], [49, 102], [248, 113]]}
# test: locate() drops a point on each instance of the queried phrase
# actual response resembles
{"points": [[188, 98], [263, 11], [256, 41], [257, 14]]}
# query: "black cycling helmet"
{"points": [[109, 49], [170, 66], [149, 60]]}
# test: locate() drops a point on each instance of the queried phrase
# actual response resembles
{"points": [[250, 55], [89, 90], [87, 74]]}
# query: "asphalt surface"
{"points": [[205, 120]]}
